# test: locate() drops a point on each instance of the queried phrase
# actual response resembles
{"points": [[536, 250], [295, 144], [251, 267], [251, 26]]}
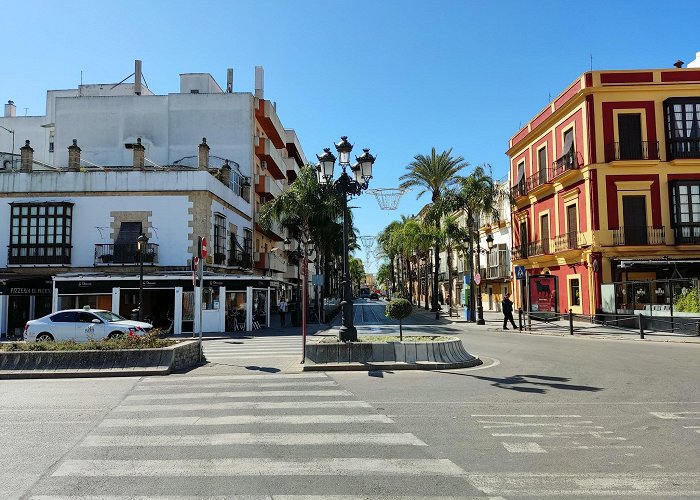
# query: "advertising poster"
{"points": [[543, 294]]}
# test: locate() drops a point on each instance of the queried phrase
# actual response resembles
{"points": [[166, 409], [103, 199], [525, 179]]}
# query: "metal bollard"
{"points": [[520, 318], [641, 326], [697, 328], [571, 322]]}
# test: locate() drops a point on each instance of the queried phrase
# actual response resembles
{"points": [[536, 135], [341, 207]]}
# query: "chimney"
{"points": [[225, 173], [139, 155], [74, 157], [259, 82], [26, 158], [10, 109], [203, 155], [678, 64], [229, 80], [694, 63], [137, 77]]}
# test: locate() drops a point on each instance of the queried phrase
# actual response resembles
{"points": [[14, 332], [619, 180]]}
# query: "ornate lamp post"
{"points": [[346, 187], [141, 245]]}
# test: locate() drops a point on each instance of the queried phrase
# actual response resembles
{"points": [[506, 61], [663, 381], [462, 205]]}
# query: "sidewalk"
{"points": [[494, 323]]}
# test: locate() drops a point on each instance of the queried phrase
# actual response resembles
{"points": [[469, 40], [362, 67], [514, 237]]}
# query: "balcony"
{"points": [[518, 190], [54, 255], [565, 163], [267, 187], [639, 235], [643, 150], [121, 254], [501, 271], [684, 148], [520, 252], [273, 161], [239, 259], [568, 241]]}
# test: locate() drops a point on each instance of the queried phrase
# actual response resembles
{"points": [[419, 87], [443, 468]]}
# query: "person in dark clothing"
{"points": [[507, 308]]}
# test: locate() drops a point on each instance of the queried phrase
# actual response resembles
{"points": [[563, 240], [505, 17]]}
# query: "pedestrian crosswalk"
{"points": [[268, 436], [252, 349]]}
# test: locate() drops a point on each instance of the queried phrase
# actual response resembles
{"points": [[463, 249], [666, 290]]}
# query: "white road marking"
{"points": [[247, 419], [242, 394], [678, 415], [254, 497], [529, 416], [524, 448], [231, 467], [224, 385], [178, 379], [275, 439], [244, 405], [563, 435]]}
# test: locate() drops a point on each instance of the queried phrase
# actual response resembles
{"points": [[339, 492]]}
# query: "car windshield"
{"points": [[108, 316]]}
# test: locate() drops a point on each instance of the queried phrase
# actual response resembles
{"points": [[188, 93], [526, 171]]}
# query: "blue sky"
{"points": [[399, 77]]}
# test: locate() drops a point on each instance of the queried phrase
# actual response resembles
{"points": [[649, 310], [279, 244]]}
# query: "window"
{"points": [[65, 317], [219, 239], [40, 233], [542, 165], [685, 211], [86, 317], [682, 116], [574, 292]]}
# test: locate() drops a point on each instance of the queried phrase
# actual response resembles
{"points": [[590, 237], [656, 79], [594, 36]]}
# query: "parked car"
{"points": [[82, 325], [373, 296]]}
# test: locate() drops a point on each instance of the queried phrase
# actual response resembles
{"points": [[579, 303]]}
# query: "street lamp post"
{"points": [[303, 254], [480, 307], [346, 186], [141, 244], [13, 145]]}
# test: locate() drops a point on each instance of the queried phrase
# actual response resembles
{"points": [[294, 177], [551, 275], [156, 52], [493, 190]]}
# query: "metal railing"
{"points": [[539, 247], [568, 241], [568, 161], [124, 253], [518, 190], [536, 180], [642, 150], [639, 235]]}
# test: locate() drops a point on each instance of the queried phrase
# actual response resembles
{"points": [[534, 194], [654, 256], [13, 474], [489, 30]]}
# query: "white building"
{"points": [[110, 162]]}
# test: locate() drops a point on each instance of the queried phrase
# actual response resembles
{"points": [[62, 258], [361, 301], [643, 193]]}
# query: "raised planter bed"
{"points": [[120, 362], [411, 355]]}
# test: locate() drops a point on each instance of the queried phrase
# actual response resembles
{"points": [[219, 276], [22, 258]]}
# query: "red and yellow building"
{"points": [[606, 187]]}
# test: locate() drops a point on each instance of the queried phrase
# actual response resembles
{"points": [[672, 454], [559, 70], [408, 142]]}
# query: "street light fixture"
{"points": [[347, 187], [141, 245]]}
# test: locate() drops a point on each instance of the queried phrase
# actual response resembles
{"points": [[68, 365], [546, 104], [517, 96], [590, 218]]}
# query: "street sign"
{"points": [[204, 248], [477, 279], [195, 262], [520, 272]]}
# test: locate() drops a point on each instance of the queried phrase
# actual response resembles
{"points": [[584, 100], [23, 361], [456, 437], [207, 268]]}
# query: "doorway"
{"points": [[634, 214]]}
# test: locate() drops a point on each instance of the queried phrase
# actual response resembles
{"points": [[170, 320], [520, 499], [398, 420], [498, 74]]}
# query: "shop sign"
{"points": [[30, 291], [543, 293]]}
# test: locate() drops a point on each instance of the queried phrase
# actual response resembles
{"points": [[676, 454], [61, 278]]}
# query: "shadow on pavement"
{"points": [[514, 383], [265, 369]]}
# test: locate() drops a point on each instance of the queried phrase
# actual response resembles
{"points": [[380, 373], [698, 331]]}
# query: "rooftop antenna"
{"points": [[591, 56]]}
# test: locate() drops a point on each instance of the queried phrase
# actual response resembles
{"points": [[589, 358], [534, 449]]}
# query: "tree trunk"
{"points": [[435, 305], [410, 281], [449, 279]]}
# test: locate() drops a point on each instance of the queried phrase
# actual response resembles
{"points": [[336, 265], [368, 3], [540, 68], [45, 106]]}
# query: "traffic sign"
{"points": [[204, 248], [520, 272], [477, 279], [195, 262]]}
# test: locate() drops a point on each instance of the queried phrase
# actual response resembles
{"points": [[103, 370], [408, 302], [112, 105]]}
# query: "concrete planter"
{"points": [[440, 354], [123, 362]]}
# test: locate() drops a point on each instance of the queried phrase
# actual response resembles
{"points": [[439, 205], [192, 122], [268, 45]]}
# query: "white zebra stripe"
{"points": [[236, 467], [276, 439], [244, 405], [224, 385], [177, 379], [246, 419], [243, 394]]}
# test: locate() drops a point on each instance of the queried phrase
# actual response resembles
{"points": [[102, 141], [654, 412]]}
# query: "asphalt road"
{"points": [[544, 417]]}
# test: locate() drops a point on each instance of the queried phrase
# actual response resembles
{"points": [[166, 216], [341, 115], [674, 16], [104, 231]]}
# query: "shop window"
{"points": [[575, 292], [685, 211], [210, 298]]}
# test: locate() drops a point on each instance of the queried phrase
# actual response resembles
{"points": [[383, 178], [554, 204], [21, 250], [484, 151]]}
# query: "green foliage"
{"points": [[398, 309], [357, 270], [688, 301], [383, 274], [149, 341]]}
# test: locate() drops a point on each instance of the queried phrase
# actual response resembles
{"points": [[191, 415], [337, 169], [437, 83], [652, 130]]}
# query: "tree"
{"points": [[383, 274], [357, 271], [399, 309], [434, 173]]}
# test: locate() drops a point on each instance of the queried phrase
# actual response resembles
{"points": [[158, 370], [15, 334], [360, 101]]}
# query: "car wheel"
{"points": [[115, 335], [44, 337]]}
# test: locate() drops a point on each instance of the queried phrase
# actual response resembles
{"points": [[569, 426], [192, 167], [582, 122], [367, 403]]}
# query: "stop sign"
{"points": [[204, 248], [477, 278]]}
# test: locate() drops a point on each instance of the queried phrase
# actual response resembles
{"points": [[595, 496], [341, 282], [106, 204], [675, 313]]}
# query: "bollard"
{"points": [[641, 326], [520, 318], [697, 328], [571, 322]]}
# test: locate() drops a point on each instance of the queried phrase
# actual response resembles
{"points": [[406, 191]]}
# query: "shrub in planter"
{"points": [[399, 309]]}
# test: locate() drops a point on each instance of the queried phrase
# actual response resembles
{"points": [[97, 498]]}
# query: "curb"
{"points": [[424, 365]]}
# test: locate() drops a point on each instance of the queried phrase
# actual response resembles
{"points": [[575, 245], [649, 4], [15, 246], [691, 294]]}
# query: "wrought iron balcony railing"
{"points": [[568, 161], [639, 235], [642, 150], [568, 241], [124, 253]]}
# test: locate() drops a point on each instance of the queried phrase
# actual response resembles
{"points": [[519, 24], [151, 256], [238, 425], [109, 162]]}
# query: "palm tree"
{"points": [[434, 173], [477, 198], [387, 242]]}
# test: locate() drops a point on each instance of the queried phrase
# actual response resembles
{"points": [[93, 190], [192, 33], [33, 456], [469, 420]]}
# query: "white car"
{"points": [[82, 325]]}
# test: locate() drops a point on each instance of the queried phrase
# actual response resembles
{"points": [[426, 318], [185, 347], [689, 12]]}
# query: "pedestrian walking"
{"points": [[282, 309], [507, 308]]}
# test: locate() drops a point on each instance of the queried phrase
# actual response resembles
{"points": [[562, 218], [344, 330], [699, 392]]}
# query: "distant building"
{"points": [[109, 162], [606, 189]]}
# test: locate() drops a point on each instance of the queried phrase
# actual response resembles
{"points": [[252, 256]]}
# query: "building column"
{"points": [[177, 312], [116, 295]]}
